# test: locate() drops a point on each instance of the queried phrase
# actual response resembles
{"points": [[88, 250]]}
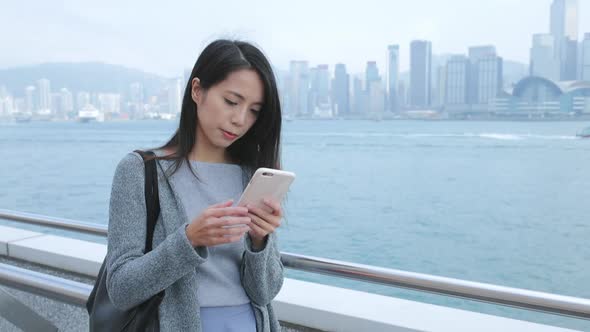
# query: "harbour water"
{"points": [[499, 202]]}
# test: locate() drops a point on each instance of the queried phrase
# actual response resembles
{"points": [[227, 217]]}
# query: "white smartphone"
{"points": [[266, 183]]}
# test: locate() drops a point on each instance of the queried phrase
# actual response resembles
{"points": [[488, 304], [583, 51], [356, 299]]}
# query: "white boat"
{"points": [[90, 113]]}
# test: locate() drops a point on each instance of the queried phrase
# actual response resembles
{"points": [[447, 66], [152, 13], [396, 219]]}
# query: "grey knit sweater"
{"points": [[219, 275], [173, 263]]}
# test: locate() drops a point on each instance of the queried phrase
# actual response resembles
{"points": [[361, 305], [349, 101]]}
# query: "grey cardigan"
{"points": [[173, 263]]}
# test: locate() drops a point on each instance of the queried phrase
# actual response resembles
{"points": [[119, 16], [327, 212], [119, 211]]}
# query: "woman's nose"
{"points": [[239, 117]]}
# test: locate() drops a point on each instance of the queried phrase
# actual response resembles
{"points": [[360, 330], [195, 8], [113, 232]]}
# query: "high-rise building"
{"points": [[441, 85], [360, 96], [323, 83], [376, 96], [175, 96], [585, 58], [457, 80], [299, 87], [371, 73], [403, 95], [393, 77], [136, 100], [564, 28], [485, 76], [30, 99], [341, 90], [82, 100], [319, 93], [374, 88], [109, 103], [44, 95], [67, 102], [485, 79], [420, 73], [544, 60]]}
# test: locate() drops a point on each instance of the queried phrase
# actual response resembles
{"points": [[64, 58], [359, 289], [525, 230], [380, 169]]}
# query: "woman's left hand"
{"points": [[264, 221]]}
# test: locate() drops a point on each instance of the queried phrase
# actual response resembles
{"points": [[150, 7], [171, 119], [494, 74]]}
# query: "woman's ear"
{"points": [[196, 90]]}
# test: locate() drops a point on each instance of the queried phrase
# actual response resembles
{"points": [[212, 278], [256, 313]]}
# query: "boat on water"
{"points": [[23, 117], [585, 133], [89, 113]]}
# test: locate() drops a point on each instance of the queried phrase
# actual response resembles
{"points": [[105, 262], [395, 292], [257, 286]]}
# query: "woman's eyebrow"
{"points": [[240, 96]]}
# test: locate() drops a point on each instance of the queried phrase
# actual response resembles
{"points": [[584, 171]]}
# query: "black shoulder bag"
{"points": [[104, 316]]}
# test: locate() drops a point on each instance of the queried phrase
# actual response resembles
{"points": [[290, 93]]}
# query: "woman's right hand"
{"points": [[210, 228]]}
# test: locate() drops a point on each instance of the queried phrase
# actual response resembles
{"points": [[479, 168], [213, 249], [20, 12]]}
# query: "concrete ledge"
{"points": [[302, 303], [339, 309], [60, 252], [10, 234]]}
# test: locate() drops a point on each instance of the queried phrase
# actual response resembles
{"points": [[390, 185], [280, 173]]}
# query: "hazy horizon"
{"points": [[165, 39]]}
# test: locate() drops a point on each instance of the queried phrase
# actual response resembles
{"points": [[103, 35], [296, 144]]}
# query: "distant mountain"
{"points": [[84, 76]]}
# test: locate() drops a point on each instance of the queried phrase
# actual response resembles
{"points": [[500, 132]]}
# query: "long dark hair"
{"points": [[260, 146]]}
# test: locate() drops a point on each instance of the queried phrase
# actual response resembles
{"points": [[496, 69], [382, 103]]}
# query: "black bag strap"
{"points": [[152, 199]]}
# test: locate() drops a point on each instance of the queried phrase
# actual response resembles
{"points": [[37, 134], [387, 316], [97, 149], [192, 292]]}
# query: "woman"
{"points": [[215, 277]]}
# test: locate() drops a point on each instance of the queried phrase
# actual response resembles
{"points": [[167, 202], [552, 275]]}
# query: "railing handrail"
{"points": [[521, 298]]}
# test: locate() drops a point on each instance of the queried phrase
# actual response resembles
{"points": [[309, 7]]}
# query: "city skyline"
{"points": [[344, 33], [465, 84]]}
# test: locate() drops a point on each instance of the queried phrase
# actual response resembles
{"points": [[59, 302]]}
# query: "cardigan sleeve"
{"points": [[132, 276], [262, 271]]}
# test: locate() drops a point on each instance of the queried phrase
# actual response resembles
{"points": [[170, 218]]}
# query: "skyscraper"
{"points": [[360, 97], [544, 60], [299, 87], [374, 88], [457, 80], [489, 78], [320, 85], [44, 95], [564, 28], [30, 99], [393, 77], [371, 73], [67, 102], [175, 95], [341, 90], [136, 100], [585, 59], [82, 99], [485, 76], [420, 73]]}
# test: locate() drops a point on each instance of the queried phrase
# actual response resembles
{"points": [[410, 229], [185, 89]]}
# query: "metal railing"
{"points": [[515, 297]]}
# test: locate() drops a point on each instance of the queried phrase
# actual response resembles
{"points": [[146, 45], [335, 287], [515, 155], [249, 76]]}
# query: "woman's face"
{"points": [[227, 110]]}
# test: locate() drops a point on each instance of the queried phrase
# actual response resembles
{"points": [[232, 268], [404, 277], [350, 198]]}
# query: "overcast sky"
{"points": [[165, 37]]}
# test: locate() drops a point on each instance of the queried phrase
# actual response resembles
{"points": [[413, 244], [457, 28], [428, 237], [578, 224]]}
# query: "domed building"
{"points": [[538, 97]]}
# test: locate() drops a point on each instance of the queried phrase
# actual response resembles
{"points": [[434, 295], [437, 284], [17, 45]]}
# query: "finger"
{"points": [[232, 231], [274, 205], [262, 223], [257, 230], [229, 239], [267, 217], [232, 221], [223, 204], [227, 211], [259, 212]]}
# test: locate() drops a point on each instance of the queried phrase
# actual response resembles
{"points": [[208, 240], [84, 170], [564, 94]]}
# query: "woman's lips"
{"points": [[229, 135]]}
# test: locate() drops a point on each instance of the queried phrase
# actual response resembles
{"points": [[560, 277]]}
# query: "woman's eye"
{"points": [[229, 102], [255, 111]]}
